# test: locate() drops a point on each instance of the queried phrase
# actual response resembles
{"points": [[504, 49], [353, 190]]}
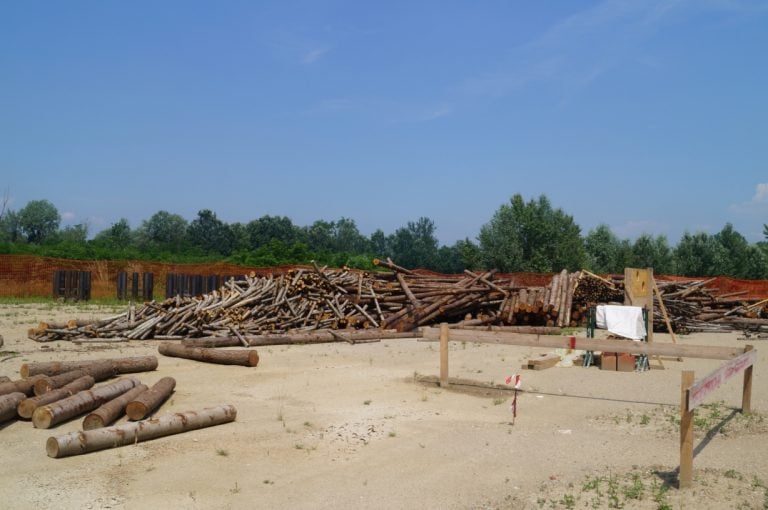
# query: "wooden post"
{"points": [[746, 394], [685, 477], [444, 355]]}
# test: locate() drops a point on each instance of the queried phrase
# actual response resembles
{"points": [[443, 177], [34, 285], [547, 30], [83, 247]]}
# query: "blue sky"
{"points": [[650, 116]]}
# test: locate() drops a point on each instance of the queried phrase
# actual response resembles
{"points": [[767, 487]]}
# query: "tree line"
{"points": [[521, 236]]}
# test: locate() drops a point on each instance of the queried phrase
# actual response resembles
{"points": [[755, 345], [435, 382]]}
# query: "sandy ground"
{"points": [[350, 426]]}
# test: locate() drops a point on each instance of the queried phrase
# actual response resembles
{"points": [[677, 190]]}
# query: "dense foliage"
{"points": [[521, 236]]}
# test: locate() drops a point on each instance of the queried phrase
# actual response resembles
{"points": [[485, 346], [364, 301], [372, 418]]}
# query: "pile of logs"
{"points": [[313, 300], [54, 392]]}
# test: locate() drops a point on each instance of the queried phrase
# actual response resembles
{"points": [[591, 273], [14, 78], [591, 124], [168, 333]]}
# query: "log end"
{"points": [[93, 421], [24, 370], [42, 418], [52, 447], [42, 386], [253, 358], [26, 408], [136, 410]]}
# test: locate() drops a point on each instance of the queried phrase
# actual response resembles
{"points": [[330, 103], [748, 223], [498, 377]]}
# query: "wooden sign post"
{"points": [[444, 355]]}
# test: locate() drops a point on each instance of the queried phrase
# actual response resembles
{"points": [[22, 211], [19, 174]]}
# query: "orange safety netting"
{"points": [[28, 275]]}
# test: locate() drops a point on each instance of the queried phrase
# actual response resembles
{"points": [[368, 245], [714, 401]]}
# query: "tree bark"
{"points": [[4, 379], [141, 406], [8, 404], [112, 410], [245, 357], [49, 383], [76, 443], [49, 415], [316, 337], [24, 386], [28, 406], [122, 365]]}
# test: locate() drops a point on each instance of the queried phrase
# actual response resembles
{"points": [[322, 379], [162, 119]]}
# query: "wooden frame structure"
{"points": [[692, 392]]}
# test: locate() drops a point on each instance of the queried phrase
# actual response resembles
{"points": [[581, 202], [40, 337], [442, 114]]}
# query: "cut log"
{"points": [[317, 337], [4, 378], [49, 383], [112, 410], [46, 416], [141, 406], [122, 365], [24, 386], [27, 407], [245, 357], [76, 443], [8, 404]]}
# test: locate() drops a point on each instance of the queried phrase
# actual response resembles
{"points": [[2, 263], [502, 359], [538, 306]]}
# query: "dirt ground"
{"points": [[351, 426]]}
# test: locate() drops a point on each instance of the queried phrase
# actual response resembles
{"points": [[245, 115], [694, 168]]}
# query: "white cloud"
{"points": [[68, 216], [315, 54], [761, 193], [757, 204]]}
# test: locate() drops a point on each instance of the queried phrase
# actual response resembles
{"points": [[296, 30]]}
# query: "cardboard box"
{"points": [[608, 361], [625, 362]]}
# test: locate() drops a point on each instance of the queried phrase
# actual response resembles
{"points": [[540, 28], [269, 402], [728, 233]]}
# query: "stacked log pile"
{"points": [[318, 300], [305, 300]]}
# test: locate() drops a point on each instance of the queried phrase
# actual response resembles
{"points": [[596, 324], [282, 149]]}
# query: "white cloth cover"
{"points": [[626, 321]]}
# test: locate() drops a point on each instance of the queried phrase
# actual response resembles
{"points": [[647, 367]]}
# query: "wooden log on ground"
{"points": [[49, 383], [146, 402], [122, 365], [25, 386], [76, 443], [112, 410], [316, 337], [27, 407], [49, 415], [4, 379], [536, 330], [8, 404], [244, 357]]}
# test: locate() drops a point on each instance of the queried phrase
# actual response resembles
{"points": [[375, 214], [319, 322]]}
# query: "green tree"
{"points": [[700, 255], [209, 234], [415, 245], [272, 228], [603, 250], [347, 238], [531, 237], [39, 220], [380, 244], [73, 234], [10, 227], [320, 236], [470, 254], [738, 255], [117, 237], [163, 231], [648, 251]]}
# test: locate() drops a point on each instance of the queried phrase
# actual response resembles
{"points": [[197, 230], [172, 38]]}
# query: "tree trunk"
{"points": [[8, 404], [24, 386], [49, 383], [316, 337], [122, 365], [27, 407], [112, 410], [245, 357], [49, 415], [141, 406], [76, 443]]}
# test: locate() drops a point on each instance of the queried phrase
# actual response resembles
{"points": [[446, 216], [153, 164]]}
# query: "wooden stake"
{"points": [[746, 394], [444, 355], [685, 478]]}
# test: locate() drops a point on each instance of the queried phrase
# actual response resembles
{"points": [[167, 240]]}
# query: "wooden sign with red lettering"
{"points": [[706, 385]]}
